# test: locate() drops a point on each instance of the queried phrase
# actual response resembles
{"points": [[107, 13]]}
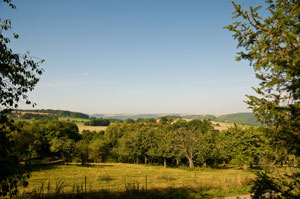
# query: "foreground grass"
{"points": [[115, 180]]}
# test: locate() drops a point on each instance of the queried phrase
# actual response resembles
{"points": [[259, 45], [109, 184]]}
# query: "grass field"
{"points": [[119, 178], [78, 121], [221, 126]]}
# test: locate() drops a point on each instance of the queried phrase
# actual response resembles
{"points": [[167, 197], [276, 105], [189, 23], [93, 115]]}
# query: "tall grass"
{"points": [[118, 179]]}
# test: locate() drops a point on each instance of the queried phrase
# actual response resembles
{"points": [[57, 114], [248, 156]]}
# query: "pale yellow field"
{"points": [[221, 126], [92, 128]]}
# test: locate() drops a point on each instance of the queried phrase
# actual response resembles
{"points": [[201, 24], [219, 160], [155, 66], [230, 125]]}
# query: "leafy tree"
{"points": [[222, 148], [98, 150], [18, 75], [191, 139], [129, 146], [165, 146], [63, 146], [272, 46], [129, 121], [82, 151], [163, 120], [112, 134], [45, 138], [246, 145], [12, 171]]}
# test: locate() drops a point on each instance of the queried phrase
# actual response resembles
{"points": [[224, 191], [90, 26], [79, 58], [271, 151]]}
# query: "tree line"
{"points": [[57, 113], [193, 143]]}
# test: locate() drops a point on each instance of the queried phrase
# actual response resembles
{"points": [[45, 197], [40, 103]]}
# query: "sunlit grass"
{"points": [[115, 177]]}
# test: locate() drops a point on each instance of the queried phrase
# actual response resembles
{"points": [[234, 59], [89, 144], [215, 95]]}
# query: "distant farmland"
{"points": [[92, 128]]}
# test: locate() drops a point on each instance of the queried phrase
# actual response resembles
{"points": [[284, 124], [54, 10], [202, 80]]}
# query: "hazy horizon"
{"points": [[133, 56], [141, 113]]}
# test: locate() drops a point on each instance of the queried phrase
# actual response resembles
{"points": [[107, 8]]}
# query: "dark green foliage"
{"points": [[272, 47], [129, 121], [81, 152], [97, 122], [18, 75], [267, 186], [195, 140], [271, 44], [38, 116], [46, 138], [12, 171], [245, 146], [101, 121], [59, 113]]}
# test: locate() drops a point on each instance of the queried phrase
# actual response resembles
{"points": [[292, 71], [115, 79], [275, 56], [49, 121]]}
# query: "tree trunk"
{"points": [[146, 160], [224, 163], [204, 164], [191, 163], [137, 160], [245, 166], [177, 162], [165, 163]]}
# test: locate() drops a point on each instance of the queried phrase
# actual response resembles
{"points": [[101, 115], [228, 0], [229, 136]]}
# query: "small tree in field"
{"points": [[272, 45]]}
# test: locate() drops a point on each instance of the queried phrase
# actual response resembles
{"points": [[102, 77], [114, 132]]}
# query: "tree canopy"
{"points": [[272, 45], [18, 75]]}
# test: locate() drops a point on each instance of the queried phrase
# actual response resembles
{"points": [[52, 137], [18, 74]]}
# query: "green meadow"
{"points": [[119, 179]]}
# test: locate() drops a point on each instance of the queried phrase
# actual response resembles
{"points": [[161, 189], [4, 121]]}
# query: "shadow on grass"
{"points": [[166, 193], [93, 166], [41, 167]]}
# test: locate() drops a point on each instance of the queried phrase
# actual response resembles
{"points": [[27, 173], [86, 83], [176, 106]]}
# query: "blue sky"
{"points": [[133, 56]]}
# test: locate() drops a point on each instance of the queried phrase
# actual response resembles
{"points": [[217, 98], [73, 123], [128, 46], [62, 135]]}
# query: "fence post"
{"points": [[195, 178], [84, 187]]}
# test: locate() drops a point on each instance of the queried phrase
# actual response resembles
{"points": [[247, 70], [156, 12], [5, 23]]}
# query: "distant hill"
{"points": [[200, 117], [56, 113], [239, 118], [124, 117]]}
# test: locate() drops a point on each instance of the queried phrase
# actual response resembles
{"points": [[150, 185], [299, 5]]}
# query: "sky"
{"points": [[133, 56]]}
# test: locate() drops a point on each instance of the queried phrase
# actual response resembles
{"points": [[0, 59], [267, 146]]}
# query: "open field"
{"points": [[77, 121], [221, 126], [92, 128], [31, 112], [113, 177], [80, 123]]}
